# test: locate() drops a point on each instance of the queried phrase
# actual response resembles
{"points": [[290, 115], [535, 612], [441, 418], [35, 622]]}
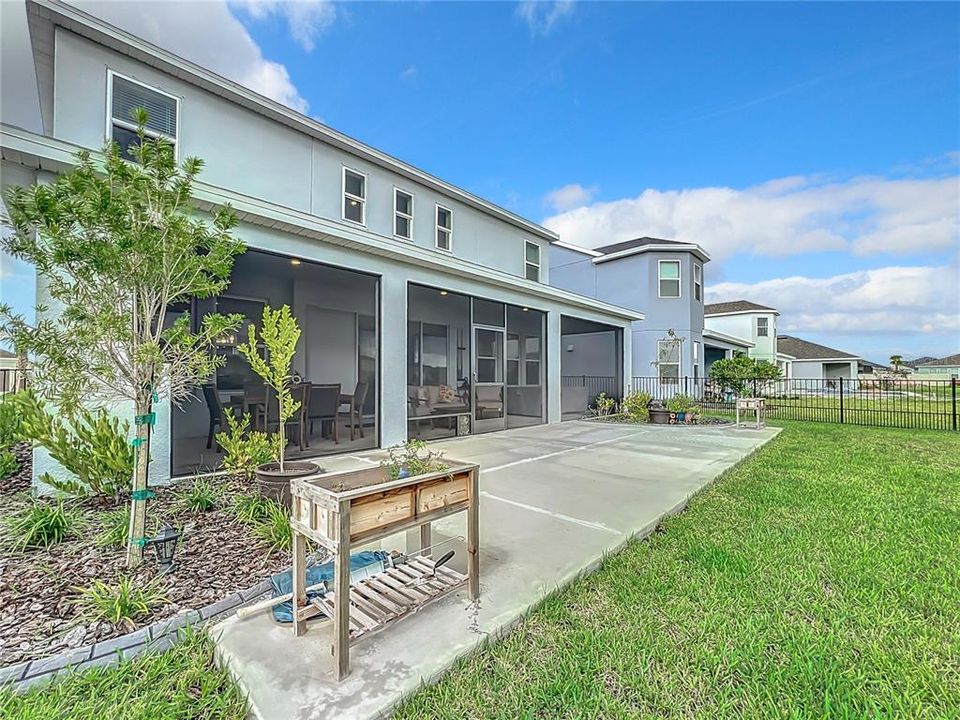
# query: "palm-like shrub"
{"points": [[42, 524], [123, 603]]}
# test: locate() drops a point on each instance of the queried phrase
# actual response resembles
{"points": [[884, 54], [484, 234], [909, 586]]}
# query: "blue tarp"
{"points": [[283, 582]]}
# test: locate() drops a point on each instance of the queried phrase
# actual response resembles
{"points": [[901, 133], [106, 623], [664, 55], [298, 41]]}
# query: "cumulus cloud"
{"points": [[786, 216], [569, 197], [305, 19], [885, 301], [208, 34], [542, 17]]}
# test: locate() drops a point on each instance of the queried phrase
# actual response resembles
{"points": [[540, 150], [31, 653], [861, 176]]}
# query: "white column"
{"points": [[554, 357], [393, 359]]}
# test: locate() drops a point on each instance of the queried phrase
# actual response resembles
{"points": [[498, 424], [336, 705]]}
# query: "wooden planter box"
{"points": [[336, 510]]}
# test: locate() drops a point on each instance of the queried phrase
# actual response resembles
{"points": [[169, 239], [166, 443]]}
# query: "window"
{"points": [[532, 261], [354, 195], [762, 327], [402, 214], [696, 360], [125, 96], [669, 278], [444, 228], [668, 361], [698, 282]]}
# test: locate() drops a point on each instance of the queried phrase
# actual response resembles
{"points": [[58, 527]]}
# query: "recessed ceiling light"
{"points": [[526, 309], [294, 261], [443, 292]]}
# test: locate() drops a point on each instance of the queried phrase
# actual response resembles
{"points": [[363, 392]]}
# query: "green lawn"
{"points": [[820, 578]]}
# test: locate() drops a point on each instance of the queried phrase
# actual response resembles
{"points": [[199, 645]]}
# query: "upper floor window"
{"points": [[762, 326], [402, 214], [444, 228], [125, 96], [669, 278], [354, 196], [532, 261], [698, 282]]}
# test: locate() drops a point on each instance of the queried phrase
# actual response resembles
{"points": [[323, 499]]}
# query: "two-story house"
{"points": [[743, 326], [427, 309], [665, 278]]}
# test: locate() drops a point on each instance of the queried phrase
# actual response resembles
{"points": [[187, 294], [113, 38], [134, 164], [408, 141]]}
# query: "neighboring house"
{"points": [[810, 361], [748, 322], [431, 307], [917, 362], [664, 278], [948, 367]]}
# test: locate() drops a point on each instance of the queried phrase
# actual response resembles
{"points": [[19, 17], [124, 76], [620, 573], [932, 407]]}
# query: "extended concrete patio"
{"points": [[554, 500]]}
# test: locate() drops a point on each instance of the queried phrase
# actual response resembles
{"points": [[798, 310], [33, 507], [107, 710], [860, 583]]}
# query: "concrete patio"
{"points": [[554, 500]]}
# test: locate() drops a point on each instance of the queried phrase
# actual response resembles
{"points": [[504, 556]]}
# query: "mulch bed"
{"points": [[20, 480], [217, 555]]}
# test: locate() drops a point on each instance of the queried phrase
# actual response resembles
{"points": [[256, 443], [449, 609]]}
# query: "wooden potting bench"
{"points": [[343, 509]]}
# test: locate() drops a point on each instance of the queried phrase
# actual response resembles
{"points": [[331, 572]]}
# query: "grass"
{"points": [[180, 684], [115, 526], [124, 602], [43, 523], [200, 496], [274, 527], [817, 579]]}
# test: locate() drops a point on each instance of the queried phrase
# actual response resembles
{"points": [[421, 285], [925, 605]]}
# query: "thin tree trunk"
{"points": [[138, 505]]}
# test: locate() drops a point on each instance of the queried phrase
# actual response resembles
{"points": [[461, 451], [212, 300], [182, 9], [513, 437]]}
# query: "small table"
{"points": [[757, 405], [336, 510]]}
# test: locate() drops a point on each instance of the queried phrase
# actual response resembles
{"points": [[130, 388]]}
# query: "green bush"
{"points": [[681, 403], [274, 527], [412, 458], [635, 406], [10, 430], [604, 405], [8, 464], [200, 496], [91, 446], [244, 450], [116, 524], [43, 523], [249, 508], [124, 602]]}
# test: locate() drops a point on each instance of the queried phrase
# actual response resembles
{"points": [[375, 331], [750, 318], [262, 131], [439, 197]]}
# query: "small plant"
{"points": [[42, 524], [274, 527], [636, 406], [250, 508], [115, 525], [681, 403], [604, 406], [8, 464], [200, 496], [244, 450], [412, 458], [123, 603], [10, 425]]}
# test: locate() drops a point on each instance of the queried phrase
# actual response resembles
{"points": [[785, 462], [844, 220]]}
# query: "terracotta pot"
{"points": [[276, 485], [659, 416]]}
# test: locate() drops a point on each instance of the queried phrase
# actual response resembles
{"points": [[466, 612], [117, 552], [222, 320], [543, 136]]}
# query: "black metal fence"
{"points": [[906, 403], [12, 380]]}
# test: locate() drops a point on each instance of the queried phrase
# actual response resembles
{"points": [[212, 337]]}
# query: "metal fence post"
{"points": [[841, 400], [953, 393]]}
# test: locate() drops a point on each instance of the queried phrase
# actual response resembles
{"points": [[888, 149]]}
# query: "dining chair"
{"points": [[217, 414], [355, 402], [271, 413], [324, 405]]}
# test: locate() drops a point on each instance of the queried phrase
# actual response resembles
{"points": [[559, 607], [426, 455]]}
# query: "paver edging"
{"points": [[156, 637]]}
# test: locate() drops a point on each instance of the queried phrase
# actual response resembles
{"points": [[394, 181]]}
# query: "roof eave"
{"points": [[741, 312], [691, 248]]}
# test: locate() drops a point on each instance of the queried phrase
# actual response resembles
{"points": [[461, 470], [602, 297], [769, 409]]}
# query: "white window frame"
{"points": [[344, 195], [698, 282], [397, 212], [129, 124], [766, 328], [437, 227], [661, 365], [537, 264], [679, 279], [696, 359]]}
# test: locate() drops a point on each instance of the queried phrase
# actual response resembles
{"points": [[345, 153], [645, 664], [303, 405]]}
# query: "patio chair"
{"points": [[355, 402], [324, 405], [217, 412], [301, 393]]}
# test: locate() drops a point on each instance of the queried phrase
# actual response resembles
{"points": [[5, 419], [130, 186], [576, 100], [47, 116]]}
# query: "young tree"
{"points": [[118, 243], [740, 371], [896, 361]]}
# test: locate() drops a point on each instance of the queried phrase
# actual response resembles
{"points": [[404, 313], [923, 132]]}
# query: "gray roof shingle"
{"points": [[806, 350], [639, 242], [948, 361], [735, 306]]}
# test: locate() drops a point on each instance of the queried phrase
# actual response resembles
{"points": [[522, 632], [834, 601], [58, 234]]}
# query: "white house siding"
{"points": [[744, 325]]}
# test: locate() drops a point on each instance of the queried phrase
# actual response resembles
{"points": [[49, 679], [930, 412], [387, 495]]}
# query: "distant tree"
{"points": [[896, 361], [739, 372], [118, 243]]}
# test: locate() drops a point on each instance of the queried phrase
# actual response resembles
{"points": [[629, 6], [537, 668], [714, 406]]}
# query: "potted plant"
{"points": [[279, 333], [659, 415], [683, 408]]}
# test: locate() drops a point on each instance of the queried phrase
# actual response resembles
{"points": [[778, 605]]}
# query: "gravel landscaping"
{"points": [[39, 587]]}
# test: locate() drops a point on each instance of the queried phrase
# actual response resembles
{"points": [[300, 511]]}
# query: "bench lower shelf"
{"points": [[391, 595]]}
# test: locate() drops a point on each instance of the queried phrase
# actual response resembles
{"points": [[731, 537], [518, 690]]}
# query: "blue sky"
{"points": [[812, 149]]}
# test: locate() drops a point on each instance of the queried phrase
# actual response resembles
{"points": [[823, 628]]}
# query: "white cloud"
{"points": [[409, 72], [208, 34], [569, 197], [889, 300], [542, 16], [306, 19], [786, 216]]}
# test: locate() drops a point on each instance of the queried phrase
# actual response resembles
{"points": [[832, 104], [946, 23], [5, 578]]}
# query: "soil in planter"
{"points": [[216, 556]]}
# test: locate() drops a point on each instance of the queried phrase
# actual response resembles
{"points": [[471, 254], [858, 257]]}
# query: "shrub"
{"points": [[412, 458], [200, 496], [8, 464], [741, 373], [635, 405], [244, 450], [250, 508], [10, 425], [91, 446], [123, 603], [274, 527], [604, 405], [115, 527], [681, 403], [42, 524]]}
